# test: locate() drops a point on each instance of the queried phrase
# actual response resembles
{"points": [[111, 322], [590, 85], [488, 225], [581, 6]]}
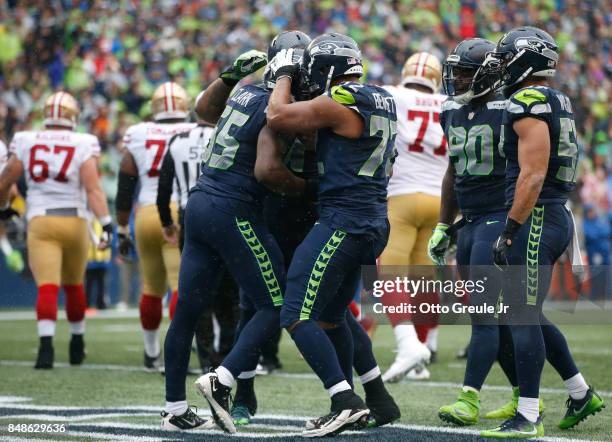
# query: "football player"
{"points": [[12, 257], [61, 172], [474, 184], [541, 152], [146, 144], [414, 203], [225, 229], [357, 124]]}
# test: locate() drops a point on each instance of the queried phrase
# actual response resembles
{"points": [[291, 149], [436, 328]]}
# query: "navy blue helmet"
{"points": [[464, 75], [525, 52], [330, 56], [296, 40]]}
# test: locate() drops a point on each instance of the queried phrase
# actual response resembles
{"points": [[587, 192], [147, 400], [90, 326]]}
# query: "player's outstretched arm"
{"points": [[211, 102], [533, 156], [270, 170]]}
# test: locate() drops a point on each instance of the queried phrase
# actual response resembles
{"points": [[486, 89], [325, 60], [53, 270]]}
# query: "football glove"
{"points": [[125, 241], [246, 63], [284, 65], [502, 245], [14, 261], [8, 213], [438, 244], [106, 237]]}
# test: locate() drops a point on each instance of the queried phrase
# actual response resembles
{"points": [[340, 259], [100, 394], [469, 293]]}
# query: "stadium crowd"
{"points": [[112, 54]]}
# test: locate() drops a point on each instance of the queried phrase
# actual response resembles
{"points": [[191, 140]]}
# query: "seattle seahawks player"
{"points": [[541, 151], [471, 119], [356, 127]]}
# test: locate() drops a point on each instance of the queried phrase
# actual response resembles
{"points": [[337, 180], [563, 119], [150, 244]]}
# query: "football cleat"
{"points": [[383, 411], [348, 411], [418, 373], [464, 411], [152, 364], [579, 409], [517, 427], [509, 409], [76, 350], [219, 399], [186, 421], [240, 415], [46, 354], [406, 360]]}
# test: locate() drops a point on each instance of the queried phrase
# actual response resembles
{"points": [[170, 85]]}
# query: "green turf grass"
{"points": [[119, 341]]}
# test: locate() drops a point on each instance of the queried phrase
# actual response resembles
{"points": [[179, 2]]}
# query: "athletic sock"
{"points": [[576, 386], [529, 407], [46, 309], [342, 339], [150, 319], [245, 391], [225, 376], [77, 328], [172, 304], [76, 304], [319, 352], [338, 388], [176, 408], [375, 387]]}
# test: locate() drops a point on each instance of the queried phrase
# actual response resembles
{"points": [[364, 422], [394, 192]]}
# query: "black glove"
{"points": [[502, 245], [8, 213], [125, 241], [107, 234]]}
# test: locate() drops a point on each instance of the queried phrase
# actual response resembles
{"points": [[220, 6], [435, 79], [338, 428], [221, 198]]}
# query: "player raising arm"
{"points": [[356, 133], [61, 172]]}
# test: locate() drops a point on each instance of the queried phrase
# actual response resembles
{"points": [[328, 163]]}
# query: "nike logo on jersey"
{"points": [[491, 222]]}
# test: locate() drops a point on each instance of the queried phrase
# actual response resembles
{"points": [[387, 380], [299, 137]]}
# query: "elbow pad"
{"points": [[125, 192]]}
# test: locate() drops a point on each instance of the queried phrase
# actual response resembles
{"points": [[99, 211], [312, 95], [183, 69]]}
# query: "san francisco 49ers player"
{"points": [[61, 171], [146, 144], [414, 201]]}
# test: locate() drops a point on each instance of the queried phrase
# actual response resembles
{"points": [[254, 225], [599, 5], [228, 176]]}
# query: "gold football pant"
{"points": [[159, 260], [57, 249]]}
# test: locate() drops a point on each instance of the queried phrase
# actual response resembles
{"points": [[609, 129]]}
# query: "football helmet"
{"points": [[424, 69], [61, 109], [464, 77], [330, 56], [286, 40], [523, 52], [169, 101]]}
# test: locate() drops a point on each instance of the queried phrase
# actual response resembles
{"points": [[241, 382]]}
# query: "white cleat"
{"points": [[218, 397], [405, 361], [336, 422], [418, 373]]}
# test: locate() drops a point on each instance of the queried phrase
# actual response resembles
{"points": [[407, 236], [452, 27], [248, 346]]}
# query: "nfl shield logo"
{"points": [[470, 115]]}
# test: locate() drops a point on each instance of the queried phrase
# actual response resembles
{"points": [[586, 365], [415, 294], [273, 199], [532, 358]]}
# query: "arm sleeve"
{"points": [[125, 192], [164, 189]]}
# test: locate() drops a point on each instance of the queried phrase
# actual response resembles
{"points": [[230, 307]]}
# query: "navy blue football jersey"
{"points": [[229, 159], [354, 173], [554, 108], [474, 132]]}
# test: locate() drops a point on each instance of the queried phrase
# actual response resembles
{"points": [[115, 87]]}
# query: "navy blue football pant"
{"points": [[215, 240], [539, 243], [475, 260], [322, 279]]}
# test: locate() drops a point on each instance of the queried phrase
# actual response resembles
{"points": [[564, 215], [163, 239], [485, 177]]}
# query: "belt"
{"points": [[62, 212]]}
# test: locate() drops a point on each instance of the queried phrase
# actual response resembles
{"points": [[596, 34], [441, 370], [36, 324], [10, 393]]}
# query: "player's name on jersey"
{"points": [[425, 307], [427, 101]]}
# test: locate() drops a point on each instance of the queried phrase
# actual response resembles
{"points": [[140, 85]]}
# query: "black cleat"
{"points": [[383, 411], [152, 364], [348, 411], [186, 421], [76, 350], [219, 398], [45, 357]]}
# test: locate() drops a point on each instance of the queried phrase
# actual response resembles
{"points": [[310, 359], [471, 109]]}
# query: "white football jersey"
{"points": [[3, 155], [186, 150], [421, 146], [52, 161], [147, 142]]}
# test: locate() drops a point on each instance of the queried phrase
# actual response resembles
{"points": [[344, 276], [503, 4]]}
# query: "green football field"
{"points": [[112, 398]]}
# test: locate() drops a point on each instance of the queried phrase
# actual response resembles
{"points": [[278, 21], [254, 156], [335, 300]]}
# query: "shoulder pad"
{"points": [[529, 96], [341, 94]]}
